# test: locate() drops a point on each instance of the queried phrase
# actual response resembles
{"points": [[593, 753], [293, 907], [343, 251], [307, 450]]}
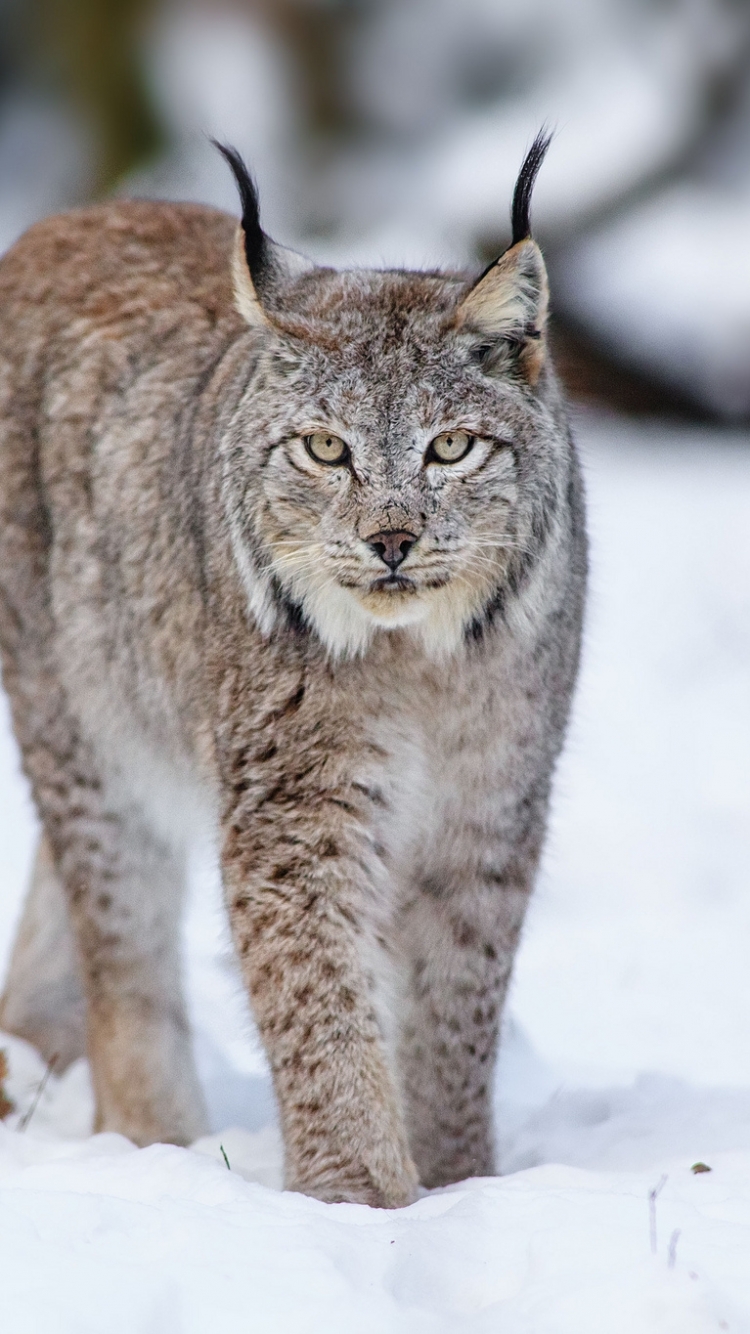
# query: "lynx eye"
{"points": [[450, 447], [326, 447]]}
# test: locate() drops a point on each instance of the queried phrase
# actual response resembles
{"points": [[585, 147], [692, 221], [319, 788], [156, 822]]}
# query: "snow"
{"points": [[626, 1057], [666, 286], [44, 162], [215, 73], [456, 93], [164, 1239]]}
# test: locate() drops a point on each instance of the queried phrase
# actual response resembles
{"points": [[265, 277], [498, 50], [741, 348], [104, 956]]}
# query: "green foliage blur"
{"points": [[90, 55]]}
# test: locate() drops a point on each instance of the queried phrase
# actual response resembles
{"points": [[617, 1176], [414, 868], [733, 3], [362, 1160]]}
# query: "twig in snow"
{"points": [[653, 1196], [6, 1103], [672, 1254], [23, 1123], [224, 1156]]}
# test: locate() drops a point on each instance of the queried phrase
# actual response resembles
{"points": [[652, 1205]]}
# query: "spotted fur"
{"points": [[198, 631]]}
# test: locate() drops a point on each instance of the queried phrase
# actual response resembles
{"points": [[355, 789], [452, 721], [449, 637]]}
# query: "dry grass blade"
{"points": [[25, 1119], [6, 1104]]}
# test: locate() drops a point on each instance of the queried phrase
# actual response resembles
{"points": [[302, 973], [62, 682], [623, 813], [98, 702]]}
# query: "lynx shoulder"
{"points": [[294, 557]]}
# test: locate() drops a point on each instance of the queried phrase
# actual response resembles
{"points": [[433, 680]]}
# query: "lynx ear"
{"points": [[509, 302], [260, 267]]}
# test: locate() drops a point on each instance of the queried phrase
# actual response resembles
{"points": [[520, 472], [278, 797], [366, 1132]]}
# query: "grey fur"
{"points": [[195, 629]]}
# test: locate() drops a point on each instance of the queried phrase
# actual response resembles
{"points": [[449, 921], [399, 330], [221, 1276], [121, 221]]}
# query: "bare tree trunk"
{"points": [[91, 49]]}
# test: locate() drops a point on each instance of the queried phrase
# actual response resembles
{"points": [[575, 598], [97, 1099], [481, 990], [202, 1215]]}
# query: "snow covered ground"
{"points": [[627, 1052]]}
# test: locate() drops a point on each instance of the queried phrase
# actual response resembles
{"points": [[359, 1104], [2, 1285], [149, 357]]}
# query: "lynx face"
{"points": [[387, 461]]}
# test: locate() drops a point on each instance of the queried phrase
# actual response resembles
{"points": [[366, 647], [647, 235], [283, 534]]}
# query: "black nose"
{"points": [[392, 547]]}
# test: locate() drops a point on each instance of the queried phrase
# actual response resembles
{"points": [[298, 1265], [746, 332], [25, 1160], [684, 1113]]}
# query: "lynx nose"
{"points": [[392, 547]]}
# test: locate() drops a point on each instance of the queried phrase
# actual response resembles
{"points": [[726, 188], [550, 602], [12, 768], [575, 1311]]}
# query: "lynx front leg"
{"points": [[296, 878], [458, 947]]}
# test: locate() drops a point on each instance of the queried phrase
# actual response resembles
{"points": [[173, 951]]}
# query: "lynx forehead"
{"points": [[300, 553], [397, 454]]}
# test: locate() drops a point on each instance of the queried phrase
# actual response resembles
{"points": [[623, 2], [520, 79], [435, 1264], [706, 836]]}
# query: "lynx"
{"points": [[296, 558]]}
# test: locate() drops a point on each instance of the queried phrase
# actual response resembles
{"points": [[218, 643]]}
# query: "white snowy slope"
{"points": [[627, 1053]]}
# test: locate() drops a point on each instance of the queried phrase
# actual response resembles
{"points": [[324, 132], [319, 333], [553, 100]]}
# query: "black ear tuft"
{"points": [[525, 184], [257, 249]]}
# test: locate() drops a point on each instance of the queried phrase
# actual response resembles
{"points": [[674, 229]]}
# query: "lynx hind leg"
{"points": [[123, 884], [125, 904], [43, 1000]]}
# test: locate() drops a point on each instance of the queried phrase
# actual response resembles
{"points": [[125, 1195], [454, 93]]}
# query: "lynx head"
{"points": [[395, 457]]}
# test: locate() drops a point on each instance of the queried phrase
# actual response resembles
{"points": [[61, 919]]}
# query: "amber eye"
{"points": [[450, 447], [326, 447]]}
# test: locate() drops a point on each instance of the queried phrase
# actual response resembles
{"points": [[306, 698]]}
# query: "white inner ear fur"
{"points": [[289, 263], [245, 297], [512, 297]]}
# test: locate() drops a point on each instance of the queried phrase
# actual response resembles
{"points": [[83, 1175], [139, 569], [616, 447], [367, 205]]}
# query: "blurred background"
{"points": [[390, 131]]}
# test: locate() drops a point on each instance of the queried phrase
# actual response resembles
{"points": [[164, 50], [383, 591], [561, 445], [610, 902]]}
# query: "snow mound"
{"points": [[163, 1238]]}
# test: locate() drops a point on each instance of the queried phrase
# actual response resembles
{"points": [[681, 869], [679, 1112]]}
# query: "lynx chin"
{"points": [[295, 557]]}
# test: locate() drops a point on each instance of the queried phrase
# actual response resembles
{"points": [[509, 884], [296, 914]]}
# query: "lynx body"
{"points": [[297, 557]]}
